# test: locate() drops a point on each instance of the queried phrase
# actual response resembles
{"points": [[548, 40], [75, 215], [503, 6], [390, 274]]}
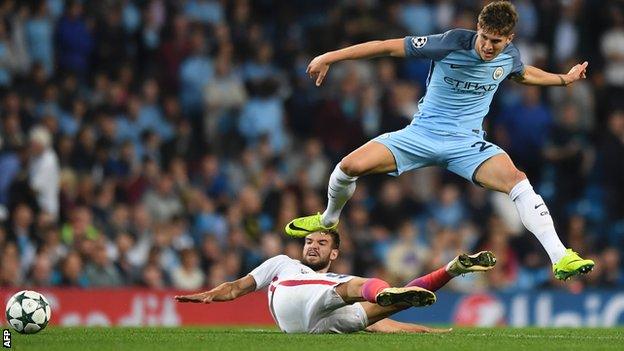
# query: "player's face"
{"points": [[489, 45], [318, 251]]}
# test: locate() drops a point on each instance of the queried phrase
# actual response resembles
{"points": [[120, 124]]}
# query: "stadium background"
{"points": [[157, 145]]}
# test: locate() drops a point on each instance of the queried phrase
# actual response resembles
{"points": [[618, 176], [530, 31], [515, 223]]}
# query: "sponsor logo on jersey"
{"points": [[419, 42], [470, 86], [498, 72]]}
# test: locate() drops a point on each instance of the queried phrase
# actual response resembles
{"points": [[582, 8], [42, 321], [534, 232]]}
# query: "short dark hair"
{"points": [[498, 17], [335, 237]]}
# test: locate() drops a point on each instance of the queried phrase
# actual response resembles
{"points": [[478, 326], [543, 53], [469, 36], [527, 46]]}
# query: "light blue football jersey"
{"points": [[460, 85]]}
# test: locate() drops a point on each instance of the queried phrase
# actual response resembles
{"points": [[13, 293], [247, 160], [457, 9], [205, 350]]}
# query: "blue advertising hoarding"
{"points": [[535, 308]]}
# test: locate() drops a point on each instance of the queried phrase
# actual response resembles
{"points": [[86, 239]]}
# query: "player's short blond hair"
{"points": [[498, 17]]}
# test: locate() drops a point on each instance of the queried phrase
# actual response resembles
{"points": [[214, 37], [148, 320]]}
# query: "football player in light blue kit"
{"points": [[466, 70]]}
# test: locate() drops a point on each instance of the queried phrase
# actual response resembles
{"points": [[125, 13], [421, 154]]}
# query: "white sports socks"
{"points": [[536, 218], [340, 189]]}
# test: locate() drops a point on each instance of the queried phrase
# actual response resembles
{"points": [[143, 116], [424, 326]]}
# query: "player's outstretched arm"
{"points": [[389, 326], [224, 292], [535, 76], [318, 67]]}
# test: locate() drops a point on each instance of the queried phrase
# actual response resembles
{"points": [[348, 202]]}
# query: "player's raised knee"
{"points": [[353, 167]]}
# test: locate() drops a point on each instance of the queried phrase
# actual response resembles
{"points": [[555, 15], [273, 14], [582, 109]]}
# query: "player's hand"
{"points": [[204, 297], [317, 69], [577, 72]]}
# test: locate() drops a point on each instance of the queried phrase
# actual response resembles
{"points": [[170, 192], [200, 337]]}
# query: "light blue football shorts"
{"points": [[416, 147]]}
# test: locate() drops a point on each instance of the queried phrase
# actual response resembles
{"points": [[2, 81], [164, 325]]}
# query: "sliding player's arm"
{"points": [[535, 76], [389, 326], [224, 292], [257, 279]]}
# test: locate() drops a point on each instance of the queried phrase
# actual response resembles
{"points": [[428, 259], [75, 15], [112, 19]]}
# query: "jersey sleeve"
{"points": [[264, 273], [437, 46], [517, 65]]}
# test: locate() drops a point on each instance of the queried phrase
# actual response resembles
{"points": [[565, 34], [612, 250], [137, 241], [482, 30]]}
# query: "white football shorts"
{"points": [[309, 303]]}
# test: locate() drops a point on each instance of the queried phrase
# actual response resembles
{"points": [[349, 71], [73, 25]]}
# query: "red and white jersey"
{"points": [[278, 267], [302, 300]]}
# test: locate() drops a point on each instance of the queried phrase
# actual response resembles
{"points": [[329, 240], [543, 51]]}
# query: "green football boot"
{"points": [[302, 226], [570, 265]]}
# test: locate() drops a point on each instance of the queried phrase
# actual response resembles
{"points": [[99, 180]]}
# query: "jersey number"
{"points": [[482, 145]]}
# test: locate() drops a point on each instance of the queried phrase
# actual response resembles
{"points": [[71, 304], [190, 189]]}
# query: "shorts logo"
{"points": [[498, 72], [419, 42]]}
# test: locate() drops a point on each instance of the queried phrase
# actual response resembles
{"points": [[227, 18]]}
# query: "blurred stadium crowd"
{"points": [[166, 143]]}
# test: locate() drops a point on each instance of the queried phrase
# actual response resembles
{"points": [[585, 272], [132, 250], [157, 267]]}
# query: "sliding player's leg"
{"points": [[462, 264], [379, 292], [370, 158], [500, 174], [366, 311], [325, 308]]}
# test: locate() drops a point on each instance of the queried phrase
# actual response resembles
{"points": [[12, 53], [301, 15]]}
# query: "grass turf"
{"points": [[244, 339]]}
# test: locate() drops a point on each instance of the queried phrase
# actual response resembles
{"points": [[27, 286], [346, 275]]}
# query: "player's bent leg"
{"points": [[378, 291], [372, 157], [351, 291], [499, 173], [462, 264]]}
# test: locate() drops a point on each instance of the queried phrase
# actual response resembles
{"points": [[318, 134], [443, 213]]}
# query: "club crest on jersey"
{"points": [[498, 72], [419, 42]]}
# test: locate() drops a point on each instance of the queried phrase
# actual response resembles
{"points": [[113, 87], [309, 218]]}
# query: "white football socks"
{"points": [[340, 189], [536, 218]]}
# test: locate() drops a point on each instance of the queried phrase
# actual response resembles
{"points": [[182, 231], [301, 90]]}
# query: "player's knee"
{"points": [[515, 177], [352, 167]]}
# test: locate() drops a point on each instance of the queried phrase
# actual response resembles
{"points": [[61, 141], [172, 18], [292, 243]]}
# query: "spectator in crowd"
{"points": [[612, 50], [21, 232], [72, 274], [100, 271], [74, 40], [224, 97], [188, 276], [163, 203], [44, 171], [613, 165], [526, 127], [571, 155], [39, 30], [407, 255], [41, 272]]}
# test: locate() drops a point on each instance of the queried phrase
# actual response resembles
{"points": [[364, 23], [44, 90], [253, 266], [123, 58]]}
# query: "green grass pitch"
{"points": [[244, 339]]}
